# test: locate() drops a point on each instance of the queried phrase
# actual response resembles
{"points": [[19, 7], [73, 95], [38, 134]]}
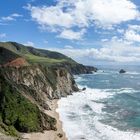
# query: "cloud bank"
{"points": [[67, 14], [114, 51]]}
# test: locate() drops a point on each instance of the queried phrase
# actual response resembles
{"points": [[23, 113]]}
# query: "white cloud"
{"points": [[111, 51], [53, 16], [104, 40], [16, 15], [132, 33], [29, 43], [2, 35], [71, 35], [68, 47], [110, 12], [134, 27], [83, 13], [10, 17]]}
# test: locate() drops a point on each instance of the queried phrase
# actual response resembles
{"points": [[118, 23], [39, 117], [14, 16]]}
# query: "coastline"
{"points": [[49, 135]]}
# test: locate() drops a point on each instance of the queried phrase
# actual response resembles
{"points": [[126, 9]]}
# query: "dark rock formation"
{"points": [[83, 89], [122, 71], [75, 68]]}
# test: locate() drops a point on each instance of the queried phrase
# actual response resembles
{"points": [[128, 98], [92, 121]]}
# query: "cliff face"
{"points": [[81, 69], [37, 86], [46, 83], [76, 68], [30, 79]]}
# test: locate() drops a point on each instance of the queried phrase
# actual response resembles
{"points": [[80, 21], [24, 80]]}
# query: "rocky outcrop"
{"points": [[30, 89], [41, 84], [81, 69], [76, 68], [122, 71], [18, 62]]}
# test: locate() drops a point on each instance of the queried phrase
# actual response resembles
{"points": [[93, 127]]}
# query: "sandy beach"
{"points": [[49, 135]]}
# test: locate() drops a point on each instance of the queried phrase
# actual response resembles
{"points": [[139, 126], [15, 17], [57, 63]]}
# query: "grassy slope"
{"points": [[33, 55], [38, 59]]}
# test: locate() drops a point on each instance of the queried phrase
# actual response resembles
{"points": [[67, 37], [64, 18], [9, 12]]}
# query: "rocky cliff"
{"points": [[79, 68], [26, 91], [30, 79]]}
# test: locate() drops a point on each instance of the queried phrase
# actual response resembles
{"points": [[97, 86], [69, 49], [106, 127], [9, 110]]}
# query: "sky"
{"points": [[92, 32]]}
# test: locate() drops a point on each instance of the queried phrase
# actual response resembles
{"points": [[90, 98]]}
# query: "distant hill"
{"points": [[10, 51]]}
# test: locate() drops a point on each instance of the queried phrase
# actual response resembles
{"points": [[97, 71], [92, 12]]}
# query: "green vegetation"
{"points": [[38, 59], [35, 56], [9, 130], [45, 57], [17, 114], [14, 47]]}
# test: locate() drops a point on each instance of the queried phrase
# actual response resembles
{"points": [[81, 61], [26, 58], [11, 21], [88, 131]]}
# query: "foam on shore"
{"points": [[81, 114]]}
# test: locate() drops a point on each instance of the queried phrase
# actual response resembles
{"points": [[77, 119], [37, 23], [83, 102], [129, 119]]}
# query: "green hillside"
{"points": [[11, 50], [33, 55]]}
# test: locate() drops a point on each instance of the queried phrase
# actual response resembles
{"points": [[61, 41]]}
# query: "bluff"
{"points": [[26, 91], [29, 80]]}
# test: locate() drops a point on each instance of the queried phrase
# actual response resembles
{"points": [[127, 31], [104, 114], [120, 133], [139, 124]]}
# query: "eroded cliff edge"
{"points": [[26, 91], [30, 79]]}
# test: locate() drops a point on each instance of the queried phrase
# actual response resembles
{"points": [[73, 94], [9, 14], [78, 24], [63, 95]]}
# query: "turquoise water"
{"points": [[109, 109]]}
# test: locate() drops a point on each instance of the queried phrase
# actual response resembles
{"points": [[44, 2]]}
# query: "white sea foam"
{"points": [[79, 79], [121, 90], [108, 72], [80, 114], [133, 73]]}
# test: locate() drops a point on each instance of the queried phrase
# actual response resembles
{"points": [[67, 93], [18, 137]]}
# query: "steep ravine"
{"points": [[25, 93]]}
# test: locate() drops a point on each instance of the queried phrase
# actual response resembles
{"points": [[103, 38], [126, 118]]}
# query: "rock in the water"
{"points": [[83, 89], [122, 71]]}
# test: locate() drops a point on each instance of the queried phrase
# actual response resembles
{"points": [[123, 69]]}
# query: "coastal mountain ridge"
{"points": [[30, 79], [10, 51]]}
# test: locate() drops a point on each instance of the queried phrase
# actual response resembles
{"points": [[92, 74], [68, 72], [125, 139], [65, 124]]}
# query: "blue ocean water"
{"points": [[109, 108]]}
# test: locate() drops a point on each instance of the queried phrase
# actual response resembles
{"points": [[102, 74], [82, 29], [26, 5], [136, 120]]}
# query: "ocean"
{"points": [[109, 108]]}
